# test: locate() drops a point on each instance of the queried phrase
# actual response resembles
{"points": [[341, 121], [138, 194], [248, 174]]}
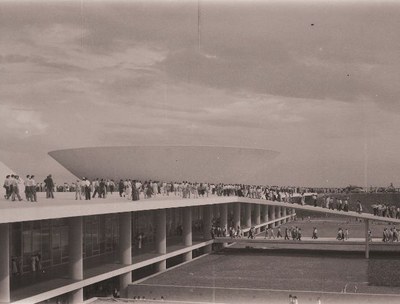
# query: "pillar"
{"points": [[265, 214], [207, 218], [247, 215], [75, 266], [187, 232], [224, 220], [257, 216], [161, 237], [4, 263], [366, 239], [125, 250], [76, 296], [272, 210], [284, 214], [236, 215]]}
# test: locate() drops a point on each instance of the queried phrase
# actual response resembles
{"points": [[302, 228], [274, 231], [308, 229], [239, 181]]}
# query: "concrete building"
{"points": [[80, 244]]}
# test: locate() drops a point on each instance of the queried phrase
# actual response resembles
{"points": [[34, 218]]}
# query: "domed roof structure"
{"points": [[167, 163]]}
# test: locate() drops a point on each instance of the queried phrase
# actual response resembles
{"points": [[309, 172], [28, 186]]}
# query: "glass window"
{"points": [[36, 241], [16, 243], [27, 241], [46, 250]]}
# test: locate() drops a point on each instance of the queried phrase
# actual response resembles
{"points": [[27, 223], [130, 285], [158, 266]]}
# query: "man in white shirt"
{"points": [[28, 189], [14, 187], [87, 188]]}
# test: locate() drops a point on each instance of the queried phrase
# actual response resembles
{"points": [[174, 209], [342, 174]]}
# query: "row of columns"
{"points": [[262, 213]]}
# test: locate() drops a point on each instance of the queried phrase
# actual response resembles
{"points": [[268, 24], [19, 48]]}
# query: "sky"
{"points": [[317, 81]]}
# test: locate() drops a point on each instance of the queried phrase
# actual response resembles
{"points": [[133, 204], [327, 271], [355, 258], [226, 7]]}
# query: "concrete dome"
{"points": [[168, 163]]}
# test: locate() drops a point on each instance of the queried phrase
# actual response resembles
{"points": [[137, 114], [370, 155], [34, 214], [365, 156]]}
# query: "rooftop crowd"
{"points": [[15, 187]]}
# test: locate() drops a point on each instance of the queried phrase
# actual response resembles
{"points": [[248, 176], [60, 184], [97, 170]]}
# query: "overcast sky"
{"points": [[317, 82]]}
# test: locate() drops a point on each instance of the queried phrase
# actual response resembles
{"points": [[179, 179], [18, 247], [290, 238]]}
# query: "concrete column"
{"points": [[4, 263], [284, 214], [161, 237], [187, 231], [272, 213], [366, 239], [125, 250], [265, 214], [224, 219], [236, 215], [75, 266], [76, 296], [257, 216], [207, 218], [277, 215], [247, 215]]}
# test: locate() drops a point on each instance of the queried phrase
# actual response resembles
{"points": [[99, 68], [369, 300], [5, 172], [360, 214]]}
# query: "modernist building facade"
{"points": [[79, 245]]}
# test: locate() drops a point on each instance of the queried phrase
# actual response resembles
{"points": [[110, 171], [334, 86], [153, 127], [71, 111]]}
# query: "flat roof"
{"points": [[65, 205]]}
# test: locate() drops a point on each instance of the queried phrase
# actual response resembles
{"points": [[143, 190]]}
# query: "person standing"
{"points": [[327, 202], [96, 186], [140, 240], [369, 236], [121, 187], [28, 187], [112, 186], [49, 186], [87, 189], [287, 234], [7, 186], [33, 189], [346, 205], [314, 197], [102, 189], [15, 188], [315, 233], [359, 207], [346, 234], [279, 234], [299, 234], [78, 190], [135, 191]]}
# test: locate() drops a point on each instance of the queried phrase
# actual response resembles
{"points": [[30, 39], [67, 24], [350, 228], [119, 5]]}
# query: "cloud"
{"points": [[21, 123]]}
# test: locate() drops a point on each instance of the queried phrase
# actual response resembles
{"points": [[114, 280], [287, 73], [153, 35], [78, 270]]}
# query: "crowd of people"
{"points": [[390, 235], [131, 189], [295, 233]]}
